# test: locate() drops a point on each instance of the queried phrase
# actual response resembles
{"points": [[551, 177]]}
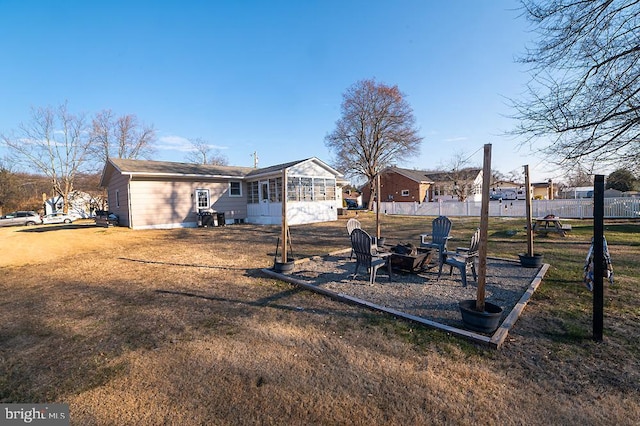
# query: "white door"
{"points": [[264, 198]]}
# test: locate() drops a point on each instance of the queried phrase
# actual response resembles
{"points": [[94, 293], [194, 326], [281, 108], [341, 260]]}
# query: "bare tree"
{"points": [[8, 189], [376, 130], [121, 137], [584, 96], [459, 172], [54, 143], [203, 153], [579, 176]]}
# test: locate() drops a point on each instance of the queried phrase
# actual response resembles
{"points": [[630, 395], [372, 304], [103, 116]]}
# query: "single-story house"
{"points": [[407, 185], [158, 194], [80, 204]]}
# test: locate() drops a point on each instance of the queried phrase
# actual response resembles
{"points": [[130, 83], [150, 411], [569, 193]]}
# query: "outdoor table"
{"points": [[551, 222]]}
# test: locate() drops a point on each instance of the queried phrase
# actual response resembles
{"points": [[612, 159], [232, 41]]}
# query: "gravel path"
{"points": [[420, 294]]}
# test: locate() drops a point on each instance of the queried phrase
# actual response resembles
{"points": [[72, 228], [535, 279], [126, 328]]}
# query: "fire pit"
{"points": [[406, 257]]}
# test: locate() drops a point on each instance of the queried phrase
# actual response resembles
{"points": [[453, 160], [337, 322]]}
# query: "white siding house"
{"points": [[156, 194], [312, 193]]}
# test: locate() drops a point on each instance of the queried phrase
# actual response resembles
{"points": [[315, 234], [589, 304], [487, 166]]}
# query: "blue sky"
{"points": [[268, 76]]}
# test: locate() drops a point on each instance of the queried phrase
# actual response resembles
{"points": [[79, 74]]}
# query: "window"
{"points": [[330, 188], [117, 198], [293, 189], [308, 189], [275, 190], [235, 189], [405, 192], [319, 191], [202, 199], [252, 197]]}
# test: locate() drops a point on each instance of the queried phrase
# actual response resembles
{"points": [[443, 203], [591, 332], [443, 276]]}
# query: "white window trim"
{"points": [[405, 192], [196, 192], [239, 185]]}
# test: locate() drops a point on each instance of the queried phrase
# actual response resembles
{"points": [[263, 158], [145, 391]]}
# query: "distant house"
{"points": [[510, 190], [407, 185], [80, 204], [461, 185], [578, 192], [157, 194]]}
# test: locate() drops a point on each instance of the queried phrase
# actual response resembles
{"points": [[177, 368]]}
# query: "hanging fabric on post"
{"points": [[607, 268]]}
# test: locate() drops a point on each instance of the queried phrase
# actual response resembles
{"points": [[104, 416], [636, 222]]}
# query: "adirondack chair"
{"points": [[440, 228], [462, 258], [352, 224], [367, 255]]}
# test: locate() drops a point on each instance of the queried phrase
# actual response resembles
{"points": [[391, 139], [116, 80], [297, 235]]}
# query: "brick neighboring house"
{"points": [[407, 185]]}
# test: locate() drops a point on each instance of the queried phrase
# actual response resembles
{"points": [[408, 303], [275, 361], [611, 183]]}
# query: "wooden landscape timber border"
{"points": [[494, 341]]}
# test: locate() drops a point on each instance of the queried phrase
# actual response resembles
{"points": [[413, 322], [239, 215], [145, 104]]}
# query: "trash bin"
{"points": [[205, 219], [221, 219]]}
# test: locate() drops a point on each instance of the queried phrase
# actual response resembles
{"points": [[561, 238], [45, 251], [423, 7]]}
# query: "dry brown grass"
{"points": [[180, 327]]}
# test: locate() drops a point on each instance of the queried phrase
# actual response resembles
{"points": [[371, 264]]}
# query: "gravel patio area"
{"points": [[422, 297]]}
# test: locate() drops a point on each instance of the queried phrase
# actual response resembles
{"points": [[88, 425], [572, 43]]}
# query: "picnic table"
{"points": [[551, 222]]}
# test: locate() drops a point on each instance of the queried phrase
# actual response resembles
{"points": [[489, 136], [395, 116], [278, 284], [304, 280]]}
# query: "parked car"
{"points": [[57, 218], [20, 218], [351, 204]]}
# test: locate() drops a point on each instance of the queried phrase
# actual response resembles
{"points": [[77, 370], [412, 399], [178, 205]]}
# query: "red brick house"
{"points": [[407, 185]]}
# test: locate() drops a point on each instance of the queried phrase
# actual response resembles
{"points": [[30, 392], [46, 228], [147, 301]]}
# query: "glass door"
{"points": [[264, 198]]}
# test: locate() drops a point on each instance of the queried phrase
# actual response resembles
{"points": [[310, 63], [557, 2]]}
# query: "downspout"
{"points": [[129, 202]]}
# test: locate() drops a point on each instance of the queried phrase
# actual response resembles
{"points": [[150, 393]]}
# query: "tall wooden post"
{"points": [[527, 184], [484, 228], [598, 257], [284, 215], [378, 205]]}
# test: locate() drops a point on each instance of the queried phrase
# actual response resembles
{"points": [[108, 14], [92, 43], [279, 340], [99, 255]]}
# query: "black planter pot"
{"points": [[283, 267], [534, 261], [486, 321]]}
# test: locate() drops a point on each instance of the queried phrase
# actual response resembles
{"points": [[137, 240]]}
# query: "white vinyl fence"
{"points": [[574, 208]]}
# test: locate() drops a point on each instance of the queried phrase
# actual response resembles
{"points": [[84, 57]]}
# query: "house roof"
{"points": [[279, 167], [274, 169], [469, 173], [419, 176], [160, 168], [173, 169], [425, 176]]}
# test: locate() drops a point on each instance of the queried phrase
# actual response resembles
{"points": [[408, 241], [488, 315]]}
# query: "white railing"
{"points": [[624, 207]]}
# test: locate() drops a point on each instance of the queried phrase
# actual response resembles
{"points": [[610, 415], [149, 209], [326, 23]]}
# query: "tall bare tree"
{"points": [[203, 153], [121, 137], [54, 143], [584, 96], [376, 130], [460, 173]]}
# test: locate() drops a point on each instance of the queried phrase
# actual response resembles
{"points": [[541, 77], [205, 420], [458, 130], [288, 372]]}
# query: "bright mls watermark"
{"points": [[35, 414]]}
